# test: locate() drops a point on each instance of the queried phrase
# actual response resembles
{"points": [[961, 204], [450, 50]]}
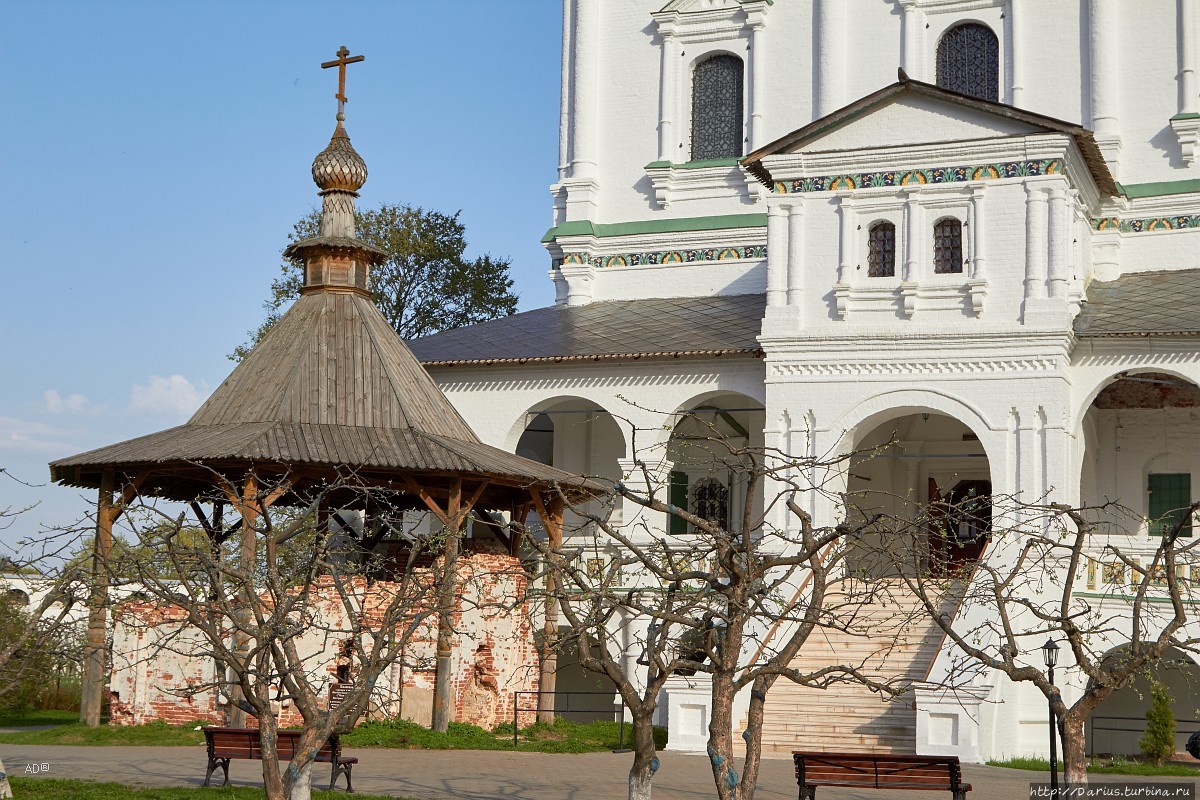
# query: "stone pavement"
{"points": [[473, 774]]}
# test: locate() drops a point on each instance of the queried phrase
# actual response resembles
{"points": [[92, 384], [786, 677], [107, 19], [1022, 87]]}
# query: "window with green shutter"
{"points": [[679, 499], [1170, 496]]}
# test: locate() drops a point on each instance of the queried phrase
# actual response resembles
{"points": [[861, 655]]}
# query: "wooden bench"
{"points": [[856, 770], [226, 744]]}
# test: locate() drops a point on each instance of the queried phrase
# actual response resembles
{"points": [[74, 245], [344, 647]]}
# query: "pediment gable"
{"points": [[700, 6], [913, 113], [914, 119]]}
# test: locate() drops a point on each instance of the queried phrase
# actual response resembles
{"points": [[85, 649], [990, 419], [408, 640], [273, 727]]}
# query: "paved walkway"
{"points": [[472, 774]]}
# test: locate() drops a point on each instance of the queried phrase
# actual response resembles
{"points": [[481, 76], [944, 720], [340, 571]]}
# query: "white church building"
{"points": [[970, 224]]}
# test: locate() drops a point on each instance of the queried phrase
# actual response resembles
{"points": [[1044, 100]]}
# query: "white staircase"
{"points": [[889, 639]]}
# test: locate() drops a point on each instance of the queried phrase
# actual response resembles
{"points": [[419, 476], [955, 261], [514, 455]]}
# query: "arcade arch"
{"points": [[921, 482], [1140, 435], [1117, 723]]}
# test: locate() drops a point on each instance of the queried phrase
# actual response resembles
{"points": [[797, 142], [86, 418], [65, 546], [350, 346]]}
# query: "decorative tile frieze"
{"points": [[667, 258], [957, 174], [909, 368], [1147, 224]]}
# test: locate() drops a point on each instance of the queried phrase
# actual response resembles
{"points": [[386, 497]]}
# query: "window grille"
{"points": [[717, 108], [947, 246], [968, 61], [881, 252], [710, 501]]}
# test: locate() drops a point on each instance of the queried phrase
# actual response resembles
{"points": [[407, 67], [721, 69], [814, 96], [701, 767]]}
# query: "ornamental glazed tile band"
{"points": [[872, 180], [1147, 224], [664, 257]]}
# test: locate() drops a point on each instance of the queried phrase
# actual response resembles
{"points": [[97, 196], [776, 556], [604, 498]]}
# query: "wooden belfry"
{"points": [[330, 387]]}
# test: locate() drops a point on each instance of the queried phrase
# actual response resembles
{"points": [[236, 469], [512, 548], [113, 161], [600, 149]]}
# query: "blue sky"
{"points": [[157, 153]]}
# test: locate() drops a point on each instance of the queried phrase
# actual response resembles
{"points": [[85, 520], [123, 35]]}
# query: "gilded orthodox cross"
{"points": [[340, 62]]}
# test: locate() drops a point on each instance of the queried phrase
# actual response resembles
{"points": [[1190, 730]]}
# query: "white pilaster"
{"points": [[845, 207], [1189, 43], [910, 52], [914, 238], [1104, 75], [756, 21], [777, 255], [795, 254], [585, 91], [564, 98], [831, 56], [1060, 242], [668, 88], [1035, 243], [1016, 51], [978, 234]]}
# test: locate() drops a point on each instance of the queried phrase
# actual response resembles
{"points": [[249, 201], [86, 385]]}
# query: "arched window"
{"points": [[717, 108], [968, 61], [881, 250], [710, 501], [947, 246]]}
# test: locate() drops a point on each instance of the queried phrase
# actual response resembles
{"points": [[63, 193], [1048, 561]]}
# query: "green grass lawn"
{"points": [[26, 717], [55, 789], [151, 734], [1106, 766], [561, 737]]}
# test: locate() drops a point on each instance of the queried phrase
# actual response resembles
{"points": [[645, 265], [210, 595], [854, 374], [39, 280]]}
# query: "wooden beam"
{"points": [[443, 701], [128, 492], [427, 499], [97, 630], [247, 557], [552, 518]]}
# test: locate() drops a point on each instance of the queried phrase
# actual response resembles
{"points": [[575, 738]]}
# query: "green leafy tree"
{"points": [[1158, 739], [426, 284]]}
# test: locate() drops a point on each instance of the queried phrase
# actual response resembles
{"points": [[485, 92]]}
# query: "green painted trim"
{"points": [[683, 225], [1136, 190], [1189, 115], [712, 162]]}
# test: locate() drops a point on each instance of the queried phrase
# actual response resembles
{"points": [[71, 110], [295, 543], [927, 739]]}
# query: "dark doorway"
{"points": [[961, 525]]}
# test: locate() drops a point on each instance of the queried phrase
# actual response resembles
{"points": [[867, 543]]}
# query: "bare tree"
{"points": [[1115, 602], [733, 599], [34, 627], [312, 599]]}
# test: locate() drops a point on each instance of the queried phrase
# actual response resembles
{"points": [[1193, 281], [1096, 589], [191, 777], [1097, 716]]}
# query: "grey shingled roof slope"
{"points": [[723, 325], [1166, 302]]}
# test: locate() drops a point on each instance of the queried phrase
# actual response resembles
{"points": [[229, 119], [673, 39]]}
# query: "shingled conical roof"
{"points": [[330, 387]]}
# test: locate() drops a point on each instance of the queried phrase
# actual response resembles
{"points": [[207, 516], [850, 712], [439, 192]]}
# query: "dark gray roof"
{"points": [[691, 326], [1164, 303]]}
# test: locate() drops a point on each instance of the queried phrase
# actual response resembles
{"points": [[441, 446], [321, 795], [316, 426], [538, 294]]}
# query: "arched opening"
{"points": [[1118, 723], [1141, 452], [710, 463], [577, 435], [968, 61], [920, 486]]}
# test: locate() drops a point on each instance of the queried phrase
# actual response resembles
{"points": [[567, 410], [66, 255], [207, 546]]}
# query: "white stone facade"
{"points": [[992, 346]]}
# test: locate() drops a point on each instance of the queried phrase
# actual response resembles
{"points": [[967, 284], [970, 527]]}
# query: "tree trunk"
{"points": [[645, 762], [1074, 742], [300, 783], [6, 789], [720, 738]]}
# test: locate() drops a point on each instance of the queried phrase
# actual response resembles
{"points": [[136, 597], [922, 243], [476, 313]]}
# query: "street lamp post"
{"points": [[1050, 656]]}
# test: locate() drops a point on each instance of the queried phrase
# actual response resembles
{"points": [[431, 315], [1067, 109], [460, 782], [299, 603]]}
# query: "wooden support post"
{"points": [[552, 518], [247, 553], [97, 630], [443, 700]]}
